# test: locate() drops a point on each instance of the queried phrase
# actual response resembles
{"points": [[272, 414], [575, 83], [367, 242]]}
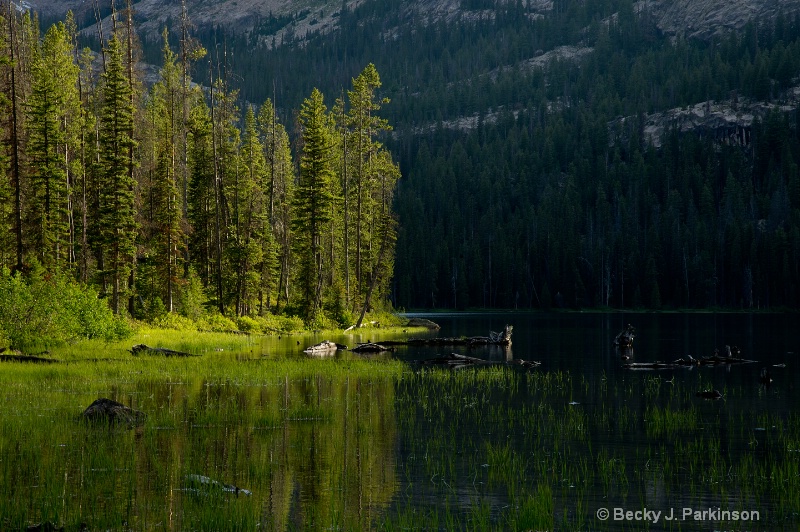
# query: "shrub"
{"points": [[52, 307], [215, 323], [175, 321], [248, 324]]}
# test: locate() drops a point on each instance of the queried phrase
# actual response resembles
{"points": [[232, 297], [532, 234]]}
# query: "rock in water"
{"points": [[323, 348], [112, 412]]}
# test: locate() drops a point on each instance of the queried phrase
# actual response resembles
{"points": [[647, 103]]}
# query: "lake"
{"points": [[342, 444]]}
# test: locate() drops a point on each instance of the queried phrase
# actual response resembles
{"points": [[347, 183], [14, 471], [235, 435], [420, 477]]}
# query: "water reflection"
{"points": [[502, 446], [312, 452]]}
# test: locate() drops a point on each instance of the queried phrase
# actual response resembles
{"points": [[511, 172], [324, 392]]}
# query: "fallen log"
{"points": [[456, 361], [495, 338], [713, 360], [688, 362], [146, 349], [527, 364], [370, 347]]}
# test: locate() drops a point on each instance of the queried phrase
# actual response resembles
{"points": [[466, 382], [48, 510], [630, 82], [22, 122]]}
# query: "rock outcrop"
{"points": [[728, 122], [704, 19]]}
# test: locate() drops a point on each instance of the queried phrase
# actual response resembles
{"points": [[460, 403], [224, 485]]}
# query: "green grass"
{"points": [[351, 443]]}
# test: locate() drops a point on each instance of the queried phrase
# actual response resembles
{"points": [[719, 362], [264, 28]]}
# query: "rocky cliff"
{"points": [[689, 18], [704, 19], [727, 122]]}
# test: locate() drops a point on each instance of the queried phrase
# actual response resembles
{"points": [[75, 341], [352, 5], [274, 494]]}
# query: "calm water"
{"points": [[582, 343], [747, 424], [474, 449]]}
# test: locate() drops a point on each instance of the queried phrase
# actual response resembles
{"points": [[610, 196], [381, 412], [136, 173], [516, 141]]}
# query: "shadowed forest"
{"points": [[524, 187]]}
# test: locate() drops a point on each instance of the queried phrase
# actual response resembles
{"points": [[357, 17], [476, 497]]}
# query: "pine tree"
{"points": [[312, 202], [53, 111], [201, 194], [362, 148], [6, 188], [167, 209], [250, 229], [118, 226], [278, 187]]}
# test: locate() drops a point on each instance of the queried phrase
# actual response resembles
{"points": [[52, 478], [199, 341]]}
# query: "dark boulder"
{"points": [[107, 411]]}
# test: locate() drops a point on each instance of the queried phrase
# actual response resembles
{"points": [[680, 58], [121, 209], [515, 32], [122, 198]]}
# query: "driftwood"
{"points": [[456, 361], [141, 348], [112, 412], [688, 362], [370, 347], [326, 347], [625, 337], [494, 338], [203, 484]]}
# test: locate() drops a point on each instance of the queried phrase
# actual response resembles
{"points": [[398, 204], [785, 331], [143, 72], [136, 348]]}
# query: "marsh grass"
{"points": [[349, 443]]}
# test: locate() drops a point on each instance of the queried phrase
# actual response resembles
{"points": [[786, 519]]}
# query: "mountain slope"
{"points": [[708, 18]]}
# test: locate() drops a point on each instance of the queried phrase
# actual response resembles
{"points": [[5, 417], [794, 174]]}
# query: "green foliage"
{"points": [[51, 307], [176, 322], [216, 322], [191, 297], [248, 324]]}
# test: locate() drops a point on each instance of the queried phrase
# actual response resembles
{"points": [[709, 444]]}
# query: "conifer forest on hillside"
{"points": [[526, 183]]}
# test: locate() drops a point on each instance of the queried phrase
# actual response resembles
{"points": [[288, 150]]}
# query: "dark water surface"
{"points": [[703, 463], [495, 448]]}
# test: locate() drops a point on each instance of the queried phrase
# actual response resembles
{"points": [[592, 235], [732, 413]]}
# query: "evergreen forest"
{"points": [[536, 187], [173, 198], [524, 185]]}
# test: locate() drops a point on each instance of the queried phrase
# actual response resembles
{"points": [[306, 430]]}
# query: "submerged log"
{"points": [[456, 361], [204, 484], [48, 526], [111, 412], [146, 349], [370, 347], [495, 338], [689, 361]]}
